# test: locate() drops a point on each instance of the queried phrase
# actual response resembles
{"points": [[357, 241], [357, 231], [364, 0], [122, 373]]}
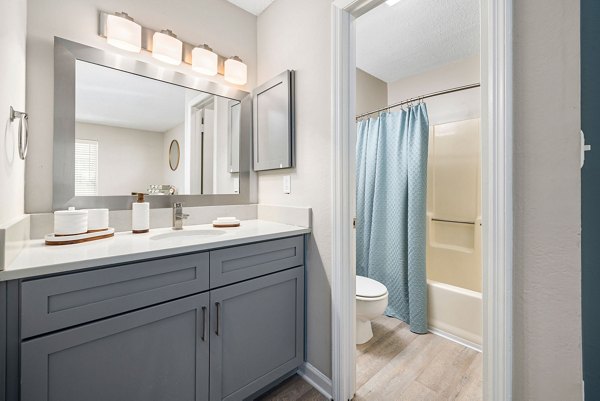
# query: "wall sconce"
{"points": [[205, 61], [120, 30], [236, 71], [123, 32], [166, 47]]}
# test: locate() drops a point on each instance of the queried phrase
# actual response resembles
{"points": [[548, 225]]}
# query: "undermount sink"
{"points": [[189, 233]]}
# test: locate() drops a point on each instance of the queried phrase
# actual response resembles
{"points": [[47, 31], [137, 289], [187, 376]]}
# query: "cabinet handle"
{"points": [[218, 328], [204, 326]]}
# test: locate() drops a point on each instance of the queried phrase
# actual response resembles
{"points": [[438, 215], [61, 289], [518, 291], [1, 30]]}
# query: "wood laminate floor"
{"points": [[398, 365]]}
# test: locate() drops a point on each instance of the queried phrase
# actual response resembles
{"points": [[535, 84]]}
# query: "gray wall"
{"points": [[547, 296], [13, 19], [295, 35], [137, 152], [371, 92]]}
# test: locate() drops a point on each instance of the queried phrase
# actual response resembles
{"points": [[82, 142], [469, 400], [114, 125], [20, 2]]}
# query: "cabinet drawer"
{"points": [[54, 303], [232, 265]]}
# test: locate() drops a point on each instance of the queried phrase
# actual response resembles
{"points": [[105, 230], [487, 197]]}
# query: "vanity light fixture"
{"points": [[236, 71], [205, 61], [120, 30], [166, 47], [123, 32]]}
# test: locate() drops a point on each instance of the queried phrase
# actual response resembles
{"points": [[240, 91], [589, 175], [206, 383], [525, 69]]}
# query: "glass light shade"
{"points": [[124, 33], [236, 72], [204, 60], [166, 47]]}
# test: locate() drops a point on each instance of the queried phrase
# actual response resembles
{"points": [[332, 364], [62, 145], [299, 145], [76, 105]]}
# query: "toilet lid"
{"points": [[369, 288]]}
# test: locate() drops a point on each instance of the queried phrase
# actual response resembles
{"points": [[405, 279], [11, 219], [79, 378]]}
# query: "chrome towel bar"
{"points": [[23, 131], [454, 221]]}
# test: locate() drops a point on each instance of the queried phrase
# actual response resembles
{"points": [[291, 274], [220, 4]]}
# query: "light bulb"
{"points": [[204, 60], [236, 71], [123, 32], [166, 47]]}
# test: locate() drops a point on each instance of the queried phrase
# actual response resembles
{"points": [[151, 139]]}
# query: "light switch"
{"points": [[287, 184]]}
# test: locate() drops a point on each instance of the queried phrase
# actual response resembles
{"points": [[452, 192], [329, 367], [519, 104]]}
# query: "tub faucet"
{"points": [[178, 216]]}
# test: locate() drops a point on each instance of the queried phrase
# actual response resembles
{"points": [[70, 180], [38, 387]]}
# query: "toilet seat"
{"points": [[369, 289]]}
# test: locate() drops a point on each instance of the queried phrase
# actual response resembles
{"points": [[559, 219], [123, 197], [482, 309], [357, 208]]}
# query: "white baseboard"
{"points": [[456, 339], [316, 379]]}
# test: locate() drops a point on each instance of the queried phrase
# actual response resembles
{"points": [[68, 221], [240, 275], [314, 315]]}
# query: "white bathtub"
{"points": [[455, 313]]}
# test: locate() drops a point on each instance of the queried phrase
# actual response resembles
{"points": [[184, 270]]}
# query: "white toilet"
{"points": [[371, 301]]}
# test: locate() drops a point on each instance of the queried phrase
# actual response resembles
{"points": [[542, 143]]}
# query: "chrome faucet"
{"points": [[178, 216]]}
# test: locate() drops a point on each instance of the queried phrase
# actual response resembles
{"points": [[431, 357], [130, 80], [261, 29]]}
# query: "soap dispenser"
{"points": [[140, 215]]}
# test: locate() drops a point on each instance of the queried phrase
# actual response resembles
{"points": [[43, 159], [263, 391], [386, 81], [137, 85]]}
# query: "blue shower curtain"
{"points": [[391, 190]]}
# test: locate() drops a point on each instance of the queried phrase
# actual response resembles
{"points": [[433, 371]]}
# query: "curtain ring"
{"points": [[23, 135]]}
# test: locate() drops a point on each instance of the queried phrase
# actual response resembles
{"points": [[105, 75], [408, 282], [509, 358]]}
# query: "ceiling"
{"points": [[111, 97], [414, 36], [252, 6]]}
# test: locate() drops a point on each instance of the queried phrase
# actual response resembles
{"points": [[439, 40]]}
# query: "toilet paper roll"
{"points": [[97, 219]]}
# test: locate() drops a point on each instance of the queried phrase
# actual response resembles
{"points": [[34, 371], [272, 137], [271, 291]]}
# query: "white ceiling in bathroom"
{"points": [[414, 36], [111, 97], [252, 6]]}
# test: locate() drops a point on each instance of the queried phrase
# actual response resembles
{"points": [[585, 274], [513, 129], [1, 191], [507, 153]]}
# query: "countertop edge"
{"points": [[68, 267]]}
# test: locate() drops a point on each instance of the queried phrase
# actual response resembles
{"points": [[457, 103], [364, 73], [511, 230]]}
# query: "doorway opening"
{"points": [[465, 230]]}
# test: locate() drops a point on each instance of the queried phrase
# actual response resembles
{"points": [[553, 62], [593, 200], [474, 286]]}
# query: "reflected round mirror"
{"points": [[174, 155]]}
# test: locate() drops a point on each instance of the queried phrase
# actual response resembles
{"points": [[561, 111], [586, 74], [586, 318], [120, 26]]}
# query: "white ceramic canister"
{"points": [[97, 219], [70, 222]]}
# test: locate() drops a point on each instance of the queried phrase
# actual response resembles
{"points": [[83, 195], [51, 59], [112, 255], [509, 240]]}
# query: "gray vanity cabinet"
{"points": [[3, 304], [158, 353], [257, 333], [215, 325]]}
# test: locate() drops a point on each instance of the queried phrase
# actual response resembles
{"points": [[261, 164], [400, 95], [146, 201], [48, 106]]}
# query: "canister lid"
{"points": [[71, 212]]}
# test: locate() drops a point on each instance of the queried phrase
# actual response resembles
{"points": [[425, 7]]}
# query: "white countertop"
{"points": [[37, 259]]}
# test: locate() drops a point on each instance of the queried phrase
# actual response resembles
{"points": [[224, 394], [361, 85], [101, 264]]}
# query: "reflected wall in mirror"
{"points": [[125, 128]]}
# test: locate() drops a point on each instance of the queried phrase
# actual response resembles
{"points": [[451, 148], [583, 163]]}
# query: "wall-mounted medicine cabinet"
{"points": [[274, 123]]}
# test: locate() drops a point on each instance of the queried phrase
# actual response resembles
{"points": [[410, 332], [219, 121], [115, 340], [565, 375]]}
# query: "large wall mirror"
{"points": [[117, 121]]}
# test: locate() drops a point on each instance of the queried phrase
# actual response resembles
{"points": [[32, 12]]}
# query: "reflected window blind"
{"points": [[86, 167]]}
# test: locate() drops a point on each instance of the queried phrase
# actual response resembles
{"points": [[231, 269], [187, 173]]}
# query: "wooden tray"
{"points": [[52, 239]]}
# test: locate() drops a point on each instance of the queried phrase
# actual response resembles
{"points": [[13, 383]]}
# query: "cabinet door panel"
{"points": [[157, 353], [257, 333]]}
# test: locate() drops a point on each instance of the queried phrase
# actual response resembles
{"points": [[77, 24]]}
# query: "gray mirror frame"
{"points": [[287, 79], [66, 53]]}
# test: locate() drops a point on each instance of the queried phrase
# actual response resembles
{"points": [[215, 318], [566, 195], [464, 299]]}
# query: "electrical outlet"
{"points": [[287, 184]]}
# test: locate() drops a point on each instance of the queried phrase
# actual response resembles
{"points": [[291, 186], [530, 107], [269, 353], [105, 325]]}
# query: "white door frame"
{"points": [[496, 134]]}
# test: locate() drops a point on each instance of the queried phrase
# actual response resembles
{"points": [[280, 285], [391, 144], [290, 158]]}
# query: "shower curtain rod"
{"points": [[419, 98]]}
